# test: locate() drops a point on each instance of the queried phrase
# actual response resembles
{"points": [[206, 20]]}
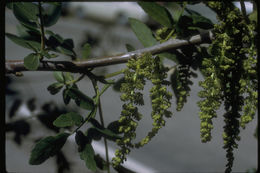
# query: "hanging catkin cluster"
{"points": [[230, 76], [135, 75]]}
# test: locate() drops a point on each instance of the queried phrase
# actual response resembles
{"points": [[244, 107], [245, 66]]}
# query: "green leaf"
{"points": [[66, 97], [31, 61], [68, 119], [176, 11], [85, 101], [158, 13], [103, 131], [108, 134], [55, 88], [26, 12], [47, 147], [129, 48], [199, 20], [58, 76], [47, 55], [51, 14], [86, 51], [143, 33], [68, 76], [88, 156], [64, 51], [33, 45]]}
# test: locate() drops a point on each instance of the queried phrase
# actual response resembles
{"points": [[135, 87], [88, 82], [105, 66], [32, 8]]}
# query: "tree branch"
{"points": [[13, 66]]}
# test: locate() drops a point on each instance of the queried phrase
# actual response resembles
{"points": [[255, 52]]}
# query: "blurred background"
{"points": [[104, 25]]}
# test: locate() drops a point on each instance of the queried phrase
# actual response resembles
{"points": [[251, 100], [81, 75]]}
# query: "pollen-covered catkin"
{"points": [[230, 76], [140, 69]]}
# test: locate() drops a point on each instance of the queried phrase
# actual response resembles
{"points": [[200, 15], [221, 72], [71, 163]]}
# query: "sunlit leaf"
{"points": [[68, 119], [47, 147], [142, 32]]}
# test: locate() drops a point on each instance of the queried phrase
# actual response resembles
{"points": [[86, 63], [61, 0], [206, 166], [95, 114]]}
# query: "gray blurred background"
{"points": [[176, 148]]}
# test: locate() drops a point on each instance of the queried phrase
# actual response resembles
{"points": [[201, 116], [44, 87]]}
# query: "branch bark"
{"points": [[13, 66]]}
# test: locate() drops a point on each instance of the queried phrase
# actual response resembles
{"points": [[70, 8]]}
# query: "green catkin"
{"points": [[160, 99], [182, 80], [230, 76], [137, 71]]}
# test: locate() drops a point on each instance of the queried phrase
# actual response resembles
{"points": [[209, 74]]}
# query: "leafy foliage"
{"points": [[228, 66]]}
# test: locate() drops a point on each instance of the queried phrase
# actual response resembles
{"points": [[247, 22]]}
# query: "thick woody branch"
{"points": [[13, 66]]}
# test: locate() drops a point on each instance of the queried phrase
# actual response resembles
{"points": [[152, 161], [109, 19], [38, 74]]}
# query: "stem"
{"points": [[114, 74], [42, 28], [94, 82], [76, 80], [87, 119], [13, 66], [243, 9]]}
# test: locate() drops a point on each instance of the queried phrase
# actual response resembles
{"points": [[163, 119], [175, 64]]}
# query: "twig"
{"points": [[12, 66], [243, 9], [42, 28], [94, 82]]}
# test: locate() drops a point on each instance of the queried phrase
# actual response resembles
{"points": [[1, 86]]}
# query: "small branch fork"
{"points": [[13, 66]]}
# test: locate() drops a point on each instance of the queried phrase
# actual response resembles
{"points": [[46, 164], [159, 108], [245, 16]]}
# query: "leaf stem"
{"points": [[114, 74], [243, 9], [76, 80], [94, 82], [42, 28]]}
